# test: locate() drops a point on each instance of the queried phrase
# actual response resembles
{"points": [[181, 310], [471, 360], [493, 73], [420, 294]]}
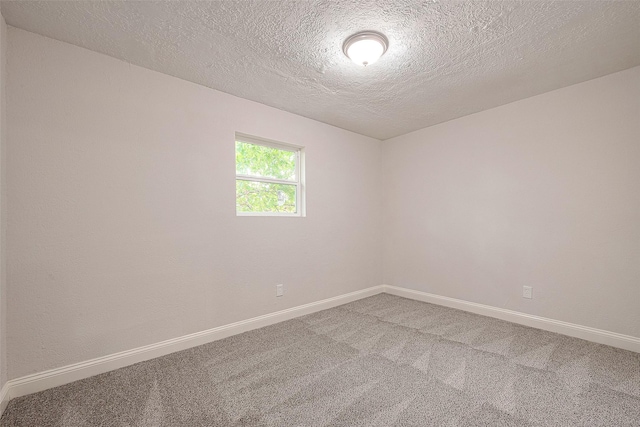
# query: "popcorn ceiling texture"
{"points": [[446, 59]]}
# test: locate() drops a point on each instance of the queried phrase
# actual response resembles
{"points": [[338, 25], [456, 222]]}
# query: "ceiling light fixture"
{"points": [[366, 47]]}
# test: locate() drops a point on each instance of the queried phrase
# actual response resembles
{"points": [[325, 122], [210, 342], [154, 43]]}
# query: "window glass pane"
{"points": [[260, 161], [254, 196]]}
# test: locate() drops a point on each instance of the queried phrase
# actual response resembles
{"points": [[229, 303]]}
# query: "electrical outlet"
{"points": [[279, 290], [527, 292]]}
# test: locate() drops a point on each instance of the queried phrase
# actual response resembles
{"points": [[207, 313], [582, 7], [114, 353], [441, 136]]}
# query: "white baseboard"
{"points": [[4, 397], [600, 336], [77, 371]]}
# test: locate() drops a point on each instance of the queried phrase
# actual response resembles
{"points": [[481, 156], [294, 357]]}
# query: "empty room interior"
{"points": [[319, 213]]}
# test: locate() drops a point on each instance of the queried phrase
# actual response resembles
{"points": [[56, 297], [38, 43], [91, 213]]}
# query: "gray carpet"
{"points": [[380, 361]]}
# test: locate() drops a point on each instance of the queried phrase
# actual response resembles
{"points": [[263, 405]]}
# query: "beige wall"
{"points": [[122, 229], [542, 192], [3, 205]]}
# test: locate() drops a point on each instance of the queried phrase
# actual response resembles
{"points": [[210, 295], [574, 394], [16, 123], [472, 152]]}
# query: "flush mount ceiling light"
{"points": [[366, 47]]}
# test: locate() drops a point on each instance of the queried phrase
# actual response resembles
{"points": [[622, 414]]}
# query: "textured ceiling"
{"points": [[445, 59]]}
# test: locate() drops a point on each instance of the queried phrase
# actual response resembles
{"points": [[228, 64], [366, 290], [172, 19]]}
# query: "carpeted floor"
{"points": [[380, 361]]}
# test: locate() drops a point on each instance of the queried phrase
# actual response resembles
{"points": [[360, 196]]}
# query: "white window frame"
{"points": [[299, 182]]}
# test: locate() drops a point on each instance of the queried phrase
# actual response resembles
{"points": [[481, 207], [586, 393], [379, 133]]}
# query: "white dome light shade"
{"points": [[365, 48]]}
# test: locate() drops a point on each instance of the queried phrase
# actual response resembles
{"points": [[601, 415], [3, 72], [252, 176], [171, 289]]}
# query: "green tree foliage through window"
{"points": [[266, 162], [266, 180]]}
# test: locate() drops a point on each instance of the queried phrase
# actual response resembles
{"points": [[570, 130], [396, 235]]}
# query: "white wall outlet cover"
{"points": [[527, 292], [279, 290]]}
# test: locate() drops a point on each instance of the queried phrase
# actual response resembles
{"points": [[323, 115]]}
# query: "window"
{"points": [[269, 178]]}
